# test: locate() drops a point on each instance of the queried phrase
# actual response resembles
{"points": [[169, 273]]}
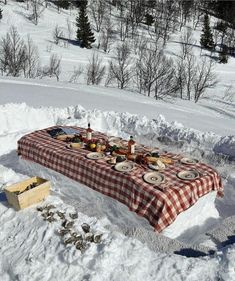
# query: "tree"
{"points": [[37, 9], [106, 34], [54, 67], [155, 72], [204, 78], [12, 53], [57, 34], [98, 10], [0, 14], [85, 35], [206, 40], [120, 68], [95, 70], [149, 20], [31, 63], [223, 56], [64, 4]]}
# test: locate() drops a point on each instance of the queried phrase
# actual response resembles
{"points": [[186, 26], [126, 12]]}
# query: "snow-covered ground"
{"points": [[31, 248], [29, 243]]}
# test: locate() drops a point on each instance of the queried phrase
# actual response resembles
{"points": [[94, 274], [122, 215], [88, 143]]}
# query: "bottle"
{"points": [[131, 146], [89, 132]]}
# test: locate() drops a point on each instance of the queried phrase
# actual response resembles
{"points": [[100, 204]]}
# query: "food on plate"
{"points": [[103, 147], [122, 151], [75, 145], [151, 159], [166, 160], [64, 137]]}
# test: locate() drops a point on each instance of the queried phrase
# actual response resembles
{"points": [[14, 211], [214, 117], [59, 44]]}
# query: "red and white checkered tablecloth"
{"points": [[160, 207]]}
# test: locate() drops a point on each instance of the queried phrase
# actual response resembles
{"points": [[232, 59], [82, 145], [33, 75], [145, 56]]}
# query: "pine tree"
{"points": [[0, 14], [64, 4], [206, 40], [149, 20], [85, 36]]}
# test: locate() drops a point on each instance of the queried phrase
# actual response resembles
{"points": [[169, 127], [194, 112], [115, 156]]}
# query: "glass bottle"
{"points": [[131, 146], [89, 132]]}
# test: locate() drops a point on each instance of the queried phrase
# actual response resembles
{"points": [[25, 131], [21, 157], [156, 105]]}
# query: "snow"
{"points": [[195, 217], [30, 247], [118, 255]]}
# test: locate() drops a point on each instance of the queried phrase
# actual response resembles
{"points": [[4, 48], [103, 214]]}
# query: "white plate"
{"points": [[188, 175], [154, 177], [114, 139], [95, 155], [189, 161], [124, 166], [113, 143]]}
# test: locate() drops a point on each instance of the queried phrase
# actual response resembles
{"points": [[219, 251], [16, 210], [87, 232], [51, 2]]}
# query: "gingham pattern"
{"points": [[160, 207]]}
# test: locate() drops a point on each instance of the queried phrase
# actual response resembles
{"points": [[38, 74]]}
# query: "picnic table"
{"points": [[159, 204]]}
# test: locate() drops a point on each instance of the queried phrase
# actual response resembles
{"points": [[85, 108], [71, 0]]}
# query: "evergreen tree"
{"points": [[223, 56], [149, 19], [0, 14], [206, 40], [64, 4], [85, 36]]}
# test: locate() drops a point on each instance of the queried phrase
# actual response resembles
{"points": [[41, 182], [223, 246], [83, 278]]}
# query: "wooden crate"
{"points": [[28, 197]]}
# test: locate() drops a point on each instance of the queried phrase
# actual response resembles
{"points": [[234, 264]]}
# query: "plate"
{"points": [[124, 167], [159, 165], [110, 162], [95, 155], [114, 139], [189, 161], [188, 175], [76, 145], [154, 177]]}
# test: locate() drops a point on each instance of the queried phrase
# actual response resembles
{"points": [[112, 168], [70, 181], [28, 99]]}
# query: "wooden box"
{"points": [[28, 197]]}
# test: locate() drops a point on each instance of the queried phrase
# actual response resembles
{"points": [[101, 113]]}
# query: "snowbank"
{"points": [[226, 146]]}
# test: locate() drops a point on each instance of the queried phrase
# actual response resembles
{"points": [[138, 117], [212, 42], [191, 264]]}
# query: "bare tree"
{"points": [[57, 34], [106, 34], [186, 67], [181, 75], [54, 67], [37, 8], [136, 13], [229, 94], [155, 73], [98, 9], [123, 24], [204, 79], [76, 74], [187, 42], [190, 72], [120, 68], [31, 63], [69, 28], [12, 53], [95, 70]]}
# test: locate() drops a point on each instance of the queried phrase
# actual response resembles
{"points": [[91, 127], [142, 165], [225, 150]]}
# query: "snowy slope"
{"points": [[219, 119]]}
